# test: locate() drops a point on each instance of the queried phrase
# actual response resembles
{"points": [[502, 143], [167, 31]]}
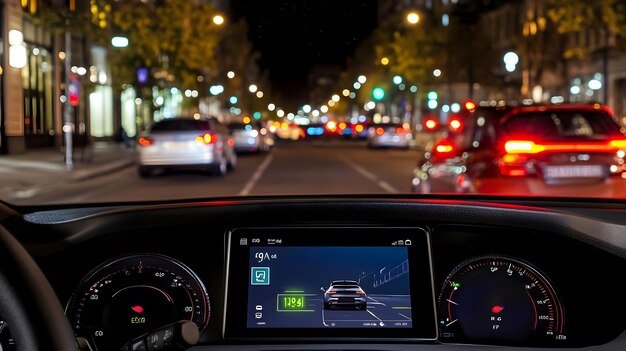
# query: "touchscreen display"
{"points": [[334, 283], [329, 287]]}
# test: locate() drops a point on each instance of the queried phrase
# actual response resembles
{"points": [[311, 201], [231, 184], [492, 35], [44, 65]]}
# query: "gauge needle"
{"points": [[450, 301], [449, 324]]}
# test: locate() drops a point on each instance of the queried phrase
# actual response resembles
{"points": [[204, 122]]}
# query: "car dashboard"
{"points": [[304, 273]]}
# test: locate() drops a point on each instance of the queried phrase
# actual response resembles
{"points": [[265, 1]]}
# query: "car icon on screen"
{"points": [[345, 294]]}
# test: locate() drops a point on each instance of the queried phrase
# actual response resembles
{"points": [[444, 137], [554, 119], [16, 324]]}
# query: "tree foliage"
{"points": [[572, 16], [177, 39]]}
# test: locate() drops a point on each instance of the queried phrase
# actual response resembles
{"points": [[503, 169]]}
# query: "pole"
{"points": [[67, 108]]}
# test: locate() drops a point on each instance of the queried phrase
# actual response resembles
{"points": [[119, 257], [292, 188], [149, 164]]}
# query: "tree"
{"points": [[177, 39], [571, 16]]}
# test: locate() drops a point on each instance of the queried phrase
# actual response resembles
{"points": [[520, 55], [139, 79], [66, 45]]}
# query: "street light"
{"points": [[230, 74], [218, 19], [335, 98], [119, 42], [362, 79], [510, 59], [253, 88], [412, 17], [384, 61], [397, 80]]}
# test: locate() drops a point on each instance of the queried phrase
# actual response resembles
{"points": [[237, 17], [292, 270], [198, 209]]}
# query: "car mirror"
{"points": [[323, 289]]}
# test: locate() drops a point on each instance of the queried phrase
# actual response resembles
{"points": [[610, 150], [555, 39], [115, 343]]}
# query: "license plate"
{"points": [[587, 171], [175, 145]]}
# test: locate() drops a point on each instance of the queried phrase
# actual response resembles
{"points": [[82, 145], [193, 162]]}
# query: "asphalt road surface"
{"points": [[336, 167], [291, 168]]}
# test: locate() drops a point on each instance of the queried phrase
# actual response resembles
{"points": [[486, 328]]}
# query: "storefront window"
{"points": [[37, 84]]}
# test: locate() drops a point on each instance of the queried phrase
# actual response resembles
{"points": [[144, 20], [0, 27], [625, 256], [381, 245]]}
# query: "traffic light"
{"points": [[432, 99], [378, 93]]}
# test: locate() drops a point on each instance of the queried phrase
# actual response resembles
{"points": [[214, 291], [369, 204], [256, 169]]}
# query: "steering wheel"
{"points": [[28, 302]]}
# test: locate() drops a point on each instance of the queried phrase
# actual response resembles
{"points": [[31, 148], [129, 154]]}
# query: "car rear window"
{"points": [[179, 125], [562, 125]]}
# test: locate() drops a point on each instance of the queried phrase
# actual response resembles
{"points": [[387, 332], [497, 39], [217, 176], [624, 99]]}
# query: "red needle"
{"points": [[497, 309], [137, 309]]}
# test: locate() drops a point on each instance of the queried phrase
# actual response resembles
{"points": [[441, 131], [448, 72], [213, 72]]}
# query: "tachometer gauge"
{"points": [[499, 300], [132, 295]]}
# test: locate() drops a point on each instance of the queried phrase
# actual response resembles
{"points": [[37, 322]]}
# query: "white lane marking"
{"points": [[371, 176], [376, 302], [256, 176], [323, 318], [449, 324], [368, 311], [404, 316], [450, 301]]}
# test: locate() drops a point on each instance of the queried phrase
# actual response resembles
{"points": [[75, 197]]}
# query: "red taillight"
{"points": [[145, 141], [207, 138], [470, 105], [444, 147], [331, 292], [618, 144], [513, 165], [455, 124], [531, 147], [380, 131], [361, 292], [522, 147], [431, 124], [400, 131], [231, 142]]}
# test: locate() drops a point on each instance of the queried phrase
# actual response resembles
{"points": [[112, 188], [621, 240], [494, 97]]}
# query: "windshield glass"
{"points": [[222, 98]]}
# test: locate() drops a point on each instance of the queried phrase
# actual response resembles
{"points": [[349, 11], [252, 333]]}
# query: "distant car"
{"points": [[345, 294], [529, 149], [249, 138], [389, 135], [184, 143]]}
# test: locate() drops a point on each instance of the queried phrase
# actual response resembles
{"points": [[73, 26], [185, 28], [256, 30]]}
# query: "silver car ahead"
{"points": [[394, 135], [249, 137], [187, 143]]}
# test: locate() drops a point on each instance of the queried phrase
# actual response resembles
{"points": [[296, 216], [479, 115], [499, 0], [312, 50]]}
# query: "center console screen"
{"points": [[329, 282]]}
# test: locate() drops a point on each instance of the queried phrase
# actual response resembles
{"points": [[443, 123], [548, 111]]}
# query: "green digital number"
{"points": [[293, 302]]}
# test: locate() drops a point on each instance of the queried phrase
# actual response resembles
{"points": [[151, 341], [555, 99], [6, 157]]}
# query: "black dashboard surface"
{"points": [[578, 246]]}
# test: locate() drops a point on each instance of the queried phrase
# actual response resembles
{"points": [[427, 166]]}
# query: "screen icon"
{"points": [[258, 315], [407, 242], [259, 307], [260, 276], [243, 241], [401, 242]]}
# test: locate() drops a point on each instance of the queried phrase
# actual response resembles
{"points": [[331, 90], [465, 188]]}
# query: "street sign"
{"points": [[73, 93]]}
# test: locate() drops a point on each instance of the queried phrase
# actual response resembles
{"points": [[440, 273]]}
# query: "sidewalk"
{"points": [[23, 175]]}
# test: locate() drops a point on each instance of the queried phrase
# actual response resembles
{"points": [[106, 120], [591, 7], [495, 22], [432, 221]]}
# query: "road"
{"points": [[291, 168], [336, 167]]}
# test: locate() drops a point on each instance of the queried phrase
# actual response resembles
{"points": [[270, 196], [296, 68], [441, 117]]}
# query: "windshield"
{"points": [[222, 98]]}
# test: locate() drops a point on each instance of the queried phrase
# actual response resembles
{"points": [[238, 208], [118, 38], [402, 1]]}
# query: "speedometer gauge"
{"points": [[133, 295], [499, 300]]}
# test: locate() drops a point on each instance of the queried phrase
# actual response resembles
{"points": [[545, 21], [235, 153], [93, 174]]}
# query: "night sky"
{"points": [[293, 35]]}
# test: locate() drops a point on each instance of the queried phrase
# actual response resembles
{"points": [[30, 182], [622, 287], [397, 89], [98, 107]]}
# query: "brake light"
{"points": [[444, 147], [400, 131], [522, 147], [618, 144], [431, 124], [231, 142], [145, 141], [206, 138], [361, 292], [380, 131], [470, 105], [342, 126], [455, 124], [530, 147], [331, 292], [359, 128], [513, 165]]}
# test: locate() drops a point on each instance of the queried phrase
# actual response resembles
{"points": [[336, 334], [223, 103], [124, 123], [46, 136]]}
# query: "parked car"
{"points": [[187, 142], [389, 135], [249, 138], [531, 149], [345, 294]]}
